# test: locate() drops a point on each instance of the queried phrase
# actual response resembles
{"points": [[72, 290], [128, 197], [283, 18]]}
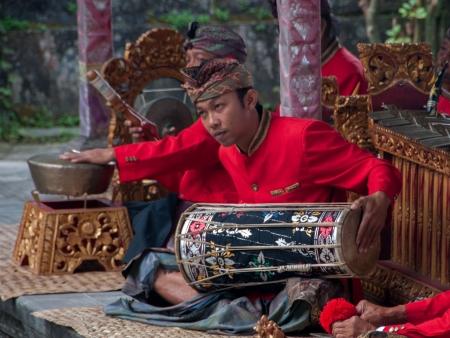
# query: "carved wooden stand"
{"points": [[58, 237]]}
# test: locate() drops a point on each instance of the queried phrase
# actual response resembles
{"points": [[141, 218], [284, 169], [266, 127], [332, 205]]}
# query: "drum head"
{"points": [[169, 114], [360, 264]]}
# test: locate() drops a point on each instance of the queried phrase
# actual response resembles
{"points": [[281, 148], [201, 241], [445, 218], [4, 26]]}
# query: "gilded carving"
{"points": [[388, 286], [158, 53], [266, 328], [59, 240], [351, 119], [27, 248], [387, 64], [399, 145], [376, 284], [330, 92]]}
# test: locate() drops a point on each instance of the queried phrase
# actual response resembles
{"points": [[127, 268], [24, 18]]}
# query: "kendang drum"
{"points": [[220, 246]]}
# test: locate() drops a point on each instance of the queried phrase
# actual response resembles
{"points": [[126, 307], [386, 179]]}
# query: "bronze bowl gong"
{"points": [[52, 175]]}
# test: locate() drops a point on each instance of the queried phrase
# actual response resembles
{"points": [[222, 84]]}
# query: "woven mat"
{"points": [[93, 323], [16, 281]]}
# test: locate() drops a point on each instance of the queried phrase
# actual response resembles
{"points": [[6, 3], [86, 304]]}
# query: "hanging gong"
{"points": [[169, 114]]}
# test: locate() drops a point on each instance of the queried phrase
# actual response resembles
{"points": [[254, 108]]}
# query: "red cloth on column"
{"points": [[348, 71]]}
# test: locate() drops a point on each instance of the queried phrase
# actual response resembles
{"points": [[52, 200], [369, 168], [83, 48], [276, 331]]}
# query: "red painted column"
{"points": [[95, 46], [299, 48]]}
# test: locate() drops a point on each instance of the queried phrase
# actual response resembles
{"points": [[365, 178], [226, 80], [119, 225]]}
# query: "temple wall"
{"points": [[44, 53]]}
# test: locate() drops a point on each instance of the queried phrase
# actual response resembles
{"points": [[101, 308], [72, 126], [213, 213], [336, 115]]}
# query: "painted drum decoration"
{"points": [[221, 246]]}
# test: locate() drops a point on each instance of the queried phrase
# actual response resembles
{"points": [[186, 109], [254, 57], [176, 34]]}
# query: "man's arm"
{"points": [[417, 312], [191, 149], [438, 327], [329, 160]]}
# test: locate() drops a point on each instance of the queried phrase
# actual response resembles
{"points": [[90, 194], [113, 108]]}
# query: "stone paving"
{"points": [[15, 187], [15, 180]]}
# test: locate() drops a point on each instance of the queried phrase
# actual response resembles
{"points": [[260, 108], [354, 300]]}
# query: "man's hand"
{"points": [[351, 328], [371, 313], [380, 315], [375, 207], [97, 156]]}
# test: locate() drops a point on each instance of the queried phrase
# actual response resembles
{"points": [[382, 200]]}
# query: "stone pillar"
{"points": [[95, 47], [300, 67]]}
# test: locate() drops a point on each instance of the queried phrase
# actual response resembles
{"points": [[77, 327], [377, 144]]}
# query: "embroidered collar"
{"points": [[260, 135], [329, 52]]}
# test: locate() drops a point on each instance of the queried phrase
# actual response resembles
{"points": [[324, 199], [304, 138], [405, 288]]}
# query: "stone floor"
{"points": [[15, 180], [15, 186]]}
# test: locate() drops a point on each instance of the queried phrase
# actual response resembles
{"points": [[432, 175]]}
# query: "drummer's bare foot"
{"points": [[172, 287], [379, 315]]}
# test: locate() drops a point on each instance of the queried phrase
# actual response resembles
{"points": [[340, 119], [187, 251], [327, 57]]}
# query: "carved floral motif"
{"points": [[399, 145], [387, 64], [60, 240], [351, 119], [388, 286], [330, 92], [158, 53]]}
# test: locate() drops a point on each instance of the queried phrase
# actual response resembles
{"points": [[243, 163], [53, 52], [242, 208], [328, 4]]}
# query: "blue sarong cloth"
{"points": [[294, 308]]}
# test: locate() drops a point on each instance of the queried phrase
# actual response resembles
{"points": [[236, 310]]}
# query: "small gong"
{"points": [[52, 175], [169, 114]]}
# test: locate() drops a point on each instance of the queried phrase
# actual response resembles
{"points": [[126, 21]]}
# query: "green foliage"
{"points": [[9, 24], [42, 117], [260, 13], [10, 122], [395, 35], [243, 4], [72, 7], [180, 19], [221, 14], [68, 121], [410, 12]]}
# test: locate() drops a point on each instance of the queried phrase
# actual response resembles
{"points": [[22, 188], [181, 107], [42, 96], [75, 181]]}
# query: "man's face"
{"points": [[225, 118], [195, 56]]}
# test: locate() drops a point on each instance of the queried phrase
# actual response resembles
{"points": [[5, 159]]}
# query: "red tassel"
{"points": [[336, 310]]}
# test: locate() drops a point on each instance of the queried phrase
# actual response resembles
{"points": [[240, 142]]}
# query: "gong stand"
{"points": [[72, 235]]}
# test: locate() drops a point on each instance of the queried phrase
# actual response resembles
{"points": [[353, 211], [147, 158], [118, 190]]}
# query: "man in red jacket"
{"points": [[279, 160], [170, 160], [426, 318], [270, 161]]}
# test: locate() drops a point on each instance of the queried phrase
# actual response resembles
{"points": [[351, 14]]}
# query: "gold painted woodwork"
{"points": [[420, 239], [399, 145], [266, 328], [330, 92], [58, 241], [388, 286], [156, 54], [351, 119], [385, 65]]}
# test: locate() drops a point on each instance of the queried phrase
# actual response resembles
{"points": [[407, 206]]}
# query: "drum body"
{"points": [[219, 246]]}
